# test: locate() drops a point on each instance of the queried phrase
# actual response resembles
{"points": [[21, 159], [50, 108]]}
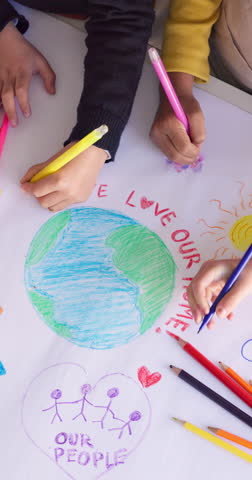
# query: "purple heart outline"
{"points": [[83, 371]]}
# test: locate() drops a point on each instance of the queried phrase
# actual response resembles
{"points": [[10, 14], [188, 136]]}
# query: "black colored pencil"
{"points": [[212, 395]]}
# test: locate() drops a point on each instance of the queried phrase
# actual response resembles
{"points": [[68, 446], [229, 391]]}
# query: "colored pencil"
{"points": [[250, 382], [236, 377], [217, 441], [3, 132], [231, 436], [217, 372], [228, 285], [212, 395], [68, 155]]}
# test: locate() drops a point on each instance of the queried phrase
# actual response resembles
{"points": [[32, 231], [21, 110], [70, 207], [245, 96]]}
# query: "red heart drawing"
{"points": [[146, 378], [145, 203]]}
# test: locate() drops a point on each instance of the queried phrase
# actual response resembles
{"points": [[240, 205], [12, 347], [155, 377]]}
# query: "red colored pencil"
{"points": [[217, 372]]}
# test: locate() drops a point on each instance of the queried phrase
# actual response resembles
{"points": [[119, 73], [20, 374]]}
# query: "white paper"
{"points": [[54, 380]]}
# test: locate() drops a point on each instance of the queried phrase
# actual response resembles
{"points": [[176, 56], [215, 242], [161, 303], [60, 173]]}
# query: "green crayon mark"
{"points": [[145, 260], [44, 306], [47, 237]]}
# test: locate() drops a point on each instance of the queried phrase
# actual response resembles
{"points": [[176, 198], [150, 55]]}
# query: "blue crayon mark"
{"points": [[242, 350], [2, 369], [97, 277]]}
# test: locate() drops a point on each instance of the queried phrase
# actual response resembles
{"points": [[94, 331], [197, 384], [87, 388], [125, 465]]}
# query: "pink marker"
{"points": [[169, 90], [3, 132]]}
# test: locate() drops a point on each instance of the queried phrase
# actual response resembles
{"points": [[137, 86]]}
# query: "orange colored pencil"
{"points": [[236, 377], [230, 436]]}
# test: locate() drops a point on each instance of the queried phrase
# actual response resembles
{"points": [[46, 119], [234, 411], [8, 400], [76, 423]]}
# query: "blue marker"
{"points": [[230, 282]]}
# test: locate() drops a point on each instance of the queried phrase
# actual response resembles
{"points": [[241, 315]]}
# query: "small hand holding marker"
{"points": [[224, 283], [69, 176], [179, 136]]}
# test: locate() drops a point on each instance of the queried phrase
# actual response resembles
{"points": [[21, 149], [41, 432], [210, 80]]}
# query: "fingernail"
{"points": [[13, 123], [27, 113]]}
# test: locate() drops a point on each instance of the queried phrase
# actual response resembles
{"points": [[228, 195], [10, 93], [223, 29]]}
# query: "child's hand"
{"points": [[19, 60], [208, 283], [168, 133], [73, 183]]}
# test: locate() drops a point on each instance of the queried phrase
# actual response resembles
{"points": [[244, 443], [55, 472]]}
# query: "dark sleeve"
{"points": [[8, 13], [118, 33]]}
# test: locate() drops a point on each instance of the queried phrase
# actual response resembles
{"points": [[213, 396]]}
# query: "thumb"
{"points": [[238, 292], [32, 171], [47, 74]]}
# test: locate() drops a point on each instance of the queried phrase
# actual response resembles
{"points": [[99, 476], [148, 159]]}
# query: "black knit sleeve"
{"points": [[118, 32], [8, 13]]}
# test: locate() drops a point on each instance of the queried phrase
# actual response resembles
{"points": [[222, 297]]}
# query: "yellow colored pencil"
{"points": [[68, 155], [217, 441]]}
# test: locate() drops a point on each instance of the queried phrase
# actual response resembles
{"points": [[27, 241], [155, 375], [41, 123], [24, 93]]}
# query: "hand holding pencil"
{"points": [[66, 178], [208, 283]]}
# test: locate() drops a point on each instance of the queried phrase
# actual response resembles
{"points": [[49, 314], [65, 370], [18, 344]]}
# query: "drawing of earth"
{"points": [[98, 278]]}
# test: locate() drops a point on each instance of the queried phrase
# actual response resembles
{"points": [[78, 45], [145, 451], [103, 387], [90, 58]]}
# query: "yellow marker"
{"points": [[68, 155], [211, 438]]}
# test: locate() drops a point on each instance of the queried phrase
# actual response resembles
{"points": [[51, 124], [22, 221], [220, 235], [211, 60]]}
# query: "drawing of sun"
{"points": [[235, 226], [97, 277]]}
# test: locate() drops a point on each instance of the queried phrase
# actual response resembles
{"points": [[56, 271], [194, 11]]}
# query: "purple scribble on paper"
{"points": [[195, 167]]}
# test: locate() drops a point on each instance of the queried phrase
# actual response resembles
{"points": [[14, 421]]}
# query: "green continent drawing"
{"points": [[143, 258]]}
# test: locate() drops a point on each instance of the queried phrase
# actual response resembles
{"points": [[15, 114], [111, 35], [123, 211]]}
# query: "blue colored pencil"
{"points": [[228, 285]]}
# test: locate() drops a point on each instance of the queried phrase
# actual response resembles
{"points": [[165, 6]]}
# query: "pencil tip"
{"points": [[223, 366], [212, 429], [178, 420], [171, 366]]}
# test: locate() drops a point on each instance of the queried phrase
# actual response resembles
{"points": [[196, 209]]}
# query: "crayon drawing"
{"points": [[235, 225], [246, 350], [86, 428], [98, 278]]}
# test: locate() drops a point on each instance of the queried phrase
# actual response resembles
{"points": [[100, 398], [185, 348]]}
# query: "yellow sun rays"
{"points": [[234, 226]]}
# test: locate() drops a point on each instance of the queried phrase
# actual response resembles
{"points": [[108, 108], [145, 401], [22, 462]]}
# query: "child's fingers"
{"points": [[47, 74], [54, 198], [163, 142], [199, 292], [195, 309], [8, 101], [171, 137], [211, 324], [22, 92], [197, 123], [180, 139], [43, 187], [60, 206], [230, 301], [32, 171]]}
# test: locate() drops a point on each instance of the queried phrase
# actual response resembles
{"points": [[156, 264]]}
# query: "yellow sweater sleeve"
{"points": [[185, 46]]}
